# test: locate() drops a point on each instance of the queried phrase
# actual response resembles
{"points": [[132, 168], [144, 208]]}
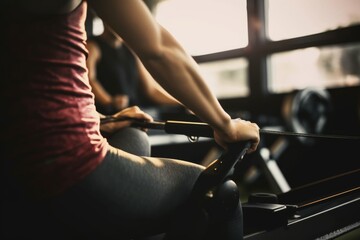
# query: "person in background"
{"points": [[118, 78], [58, 172]]}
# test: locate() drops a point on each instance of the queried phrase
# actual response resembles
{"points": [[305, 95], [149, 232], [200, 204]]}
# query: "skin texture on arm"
{"points": [[172, 67], [152, 89]]}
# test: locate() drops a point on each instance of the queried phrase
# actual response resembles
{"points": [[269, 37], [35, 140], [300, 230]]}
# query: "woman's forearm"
{"points": [[177, 73]]}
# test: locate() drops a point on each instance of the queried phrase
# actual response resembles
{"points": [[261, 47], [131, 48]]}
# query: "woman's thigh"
{"points": [[127, 194], [131, 140]]}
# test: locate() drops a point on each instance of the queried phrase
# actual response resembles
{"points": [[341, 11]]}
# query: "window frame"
{"points": [[260, 48]]}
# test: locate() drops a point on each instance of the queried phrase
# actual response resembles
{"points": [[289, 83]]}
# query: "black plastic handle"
{"points": [[198, 129]]}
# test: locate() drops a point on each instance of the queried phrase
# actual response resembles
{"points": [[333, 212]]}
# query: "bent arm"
{"points": [[172, 67], [161, 54]]}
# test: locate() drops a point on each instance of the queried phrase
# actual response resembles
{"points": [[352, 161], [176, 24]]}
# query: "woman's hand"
{"points": [[238, 130], [131, 112]]}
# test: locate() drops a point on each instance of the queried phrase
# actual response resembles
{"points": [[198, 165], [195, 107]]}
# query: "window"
{"points": [[205, 26], [320, 62], [294, 43], [295, 18], [98, 26], [332, 66], [227, 78]]}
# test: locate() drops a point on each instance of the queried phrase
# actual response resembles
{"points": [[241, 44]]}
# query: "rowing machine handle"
{"points": [[199, 129]]}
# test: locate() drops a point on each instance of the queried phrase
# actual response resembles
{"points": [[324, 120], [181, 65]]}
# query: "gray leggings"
{"points": [[129, 195], [130, 192]]}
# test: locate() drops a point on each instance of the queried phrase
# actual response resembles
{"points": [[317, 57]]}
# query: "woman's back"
{"points": [[52, 116]]}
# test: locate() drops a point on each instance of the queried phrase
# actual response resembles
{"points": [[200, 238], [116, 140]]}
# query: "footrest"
{"points": [[265, 216]]}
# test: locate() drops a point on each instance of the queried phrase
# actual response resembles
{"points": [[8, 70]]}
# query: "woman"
{"points": [[54, 154]]}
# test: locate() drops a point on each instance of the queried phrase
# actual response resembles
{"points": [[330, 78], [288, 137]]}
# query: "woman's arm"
{"points": [[152, 89], [162, 56], [171, 66]]}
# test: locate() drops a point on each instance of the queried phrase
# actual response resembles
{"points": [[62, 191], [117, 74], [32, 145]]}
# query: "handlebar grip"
{"points": [[198, 129]]}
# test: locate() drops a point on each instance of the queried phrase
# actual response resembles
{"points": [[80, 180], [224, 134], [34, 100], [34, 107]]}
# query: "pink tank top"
{"points": [[52, 133]]}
